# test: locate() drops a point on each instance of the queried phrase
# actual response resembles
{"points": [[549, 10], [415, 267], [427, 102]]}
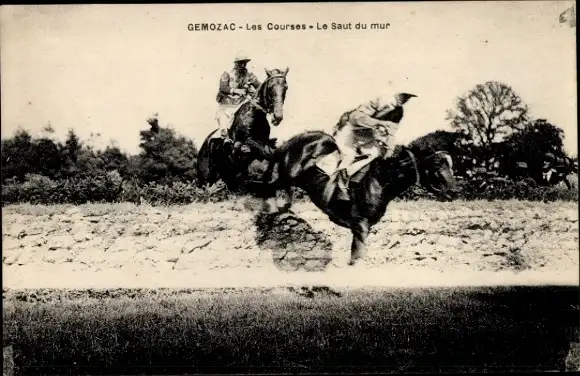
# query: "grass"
{"points": [[98, 209], [41, 190], [392, 329]]}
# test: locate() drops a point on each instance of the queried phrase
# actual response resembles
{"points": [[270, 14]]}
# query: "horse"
{"points": [[422, 163], [250, 129]]}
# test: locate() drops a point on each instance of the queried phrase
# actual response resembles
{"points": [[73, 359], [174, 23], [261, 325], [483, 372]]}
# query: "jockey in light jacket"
{"points": [[362, 126], [233, 88]]}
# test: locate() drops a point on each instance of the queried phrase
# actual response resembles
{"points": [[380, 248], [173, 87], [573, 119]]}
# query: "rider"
{"points": [[361, 127], [233, 88]]}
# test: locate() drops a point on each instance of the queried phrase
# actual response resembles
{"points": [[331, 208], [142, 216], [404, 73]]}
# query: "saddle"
{"points": [[329, 163], [355, 171]]}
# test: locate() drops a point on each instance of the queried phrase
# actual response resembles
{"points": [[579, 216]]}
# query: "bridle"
{"points": [[413, 160], [260, 93]]}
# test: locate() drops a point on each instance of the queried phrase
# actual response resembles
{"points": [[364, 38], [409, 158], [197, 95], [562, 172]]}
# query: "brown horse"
{"points": [[251, 128], [422, 163]]}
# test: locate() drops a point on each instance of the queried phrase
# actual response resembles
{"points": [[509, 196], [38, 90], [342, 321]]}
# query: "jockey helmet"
{"points": [[241, 58], [402, 98]]}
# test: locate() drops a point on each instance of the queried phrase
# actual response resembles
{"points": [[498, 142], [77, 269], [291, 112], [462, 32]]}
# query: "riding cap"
{"points": [[404, 97], [241, 58]]}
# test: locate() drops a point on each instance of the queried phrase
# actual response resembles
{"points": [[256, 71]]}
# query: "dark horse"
{"points": [[424, 162], [251, 129]]}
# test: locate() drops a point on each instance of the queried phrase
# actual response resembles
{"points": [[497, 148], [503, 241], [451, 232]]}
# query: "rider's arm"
{"points": [[361, 119], [225, 84], [254, 82]]}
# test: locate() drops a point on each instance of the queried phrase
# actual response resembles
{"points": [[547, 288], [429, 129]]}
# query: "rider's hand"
{"points": [[239, 91]]}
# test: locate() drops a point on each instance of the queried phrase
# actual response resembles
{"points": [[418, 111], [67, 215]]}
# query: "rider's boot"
{"points": [[225, 136]]}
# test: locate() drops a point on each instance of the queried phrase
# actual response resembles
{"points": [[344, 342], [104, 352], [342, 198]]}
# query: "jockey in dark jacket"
{"points": [[234, 87]]}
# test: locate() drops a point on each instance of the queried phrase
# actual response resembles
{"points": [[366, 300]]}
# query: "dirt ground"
{"points": [[227, 244]]}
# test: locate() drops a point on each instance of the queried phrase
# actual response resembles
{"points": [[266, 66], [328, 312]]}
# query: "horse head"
{"points": [[272, 94], [433, 170]]}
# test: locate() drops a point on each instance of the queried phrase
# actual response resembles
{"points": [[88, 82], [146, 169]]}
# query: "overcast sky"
{"points": [[106, 68]]}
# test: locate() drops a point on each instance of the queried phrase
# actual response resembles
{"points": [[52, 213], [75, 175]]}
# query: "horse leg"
{"points": [[360, 232], [567, 182], [243, 178], [287, 201], [269, 189]]}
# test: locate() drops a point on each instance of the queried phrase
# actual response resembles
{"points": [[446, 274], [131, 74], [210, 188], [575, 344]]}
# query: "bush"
{"points": [[176, 193], [500, 189], [108, 187]]}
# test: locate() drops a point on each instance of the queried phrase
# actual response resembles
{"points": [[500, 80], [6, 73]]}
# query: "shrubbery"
{"points": [[110, 187], [500, 189], [44, 171]]}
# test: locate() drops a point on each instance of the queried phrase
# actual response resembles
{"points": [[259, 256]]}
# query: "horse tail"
{"points": [[205, 170]]}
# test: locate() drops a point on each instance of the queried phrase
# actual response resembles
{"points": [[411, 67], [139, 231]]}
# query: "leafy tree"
{"points": [[165, 156], [48, 131], [22, 155], [488, 113], [114, 159], [17, 152], [47, 158], [133, 168], [531, 146], [71, 151]]}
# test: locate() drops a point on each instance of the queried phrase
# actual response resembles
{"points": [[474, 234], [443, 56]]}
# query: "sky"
{"points": [[107, 68]]}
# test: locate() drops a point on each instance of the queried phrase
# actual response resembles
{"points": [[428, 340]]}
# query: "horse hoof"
{"points": [[269, 208], [285, 209]]}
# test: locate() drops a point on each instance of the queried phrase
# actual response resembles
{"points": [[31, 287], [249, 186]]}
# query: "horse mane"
{"points": [[432, 142], [259, 95]]}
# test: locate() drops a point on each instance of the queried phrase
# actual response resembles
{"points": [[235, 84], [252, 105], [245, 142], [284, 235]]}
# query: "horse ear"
{"points": [[286, 71], [268, 72]]}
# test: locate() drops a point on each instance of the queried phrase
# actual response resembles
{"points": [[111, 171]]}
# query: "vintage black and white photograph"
{"points": [[219, 188]]}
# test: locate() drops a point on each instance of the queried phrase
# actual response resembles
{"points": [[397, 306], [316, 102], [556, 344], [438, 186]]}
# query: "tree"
{"points": [[22, 154], [47, 159], [48, 131], [166, 157], [532, 145], [114, 159], [17, 152], [488, 113], [70, 153]]}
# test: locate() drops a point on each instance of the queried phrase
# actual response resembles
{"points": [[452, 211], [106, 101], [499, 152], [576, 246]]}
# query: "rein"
{"points": [[252, 100], [417, 175], [412, 159]]}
